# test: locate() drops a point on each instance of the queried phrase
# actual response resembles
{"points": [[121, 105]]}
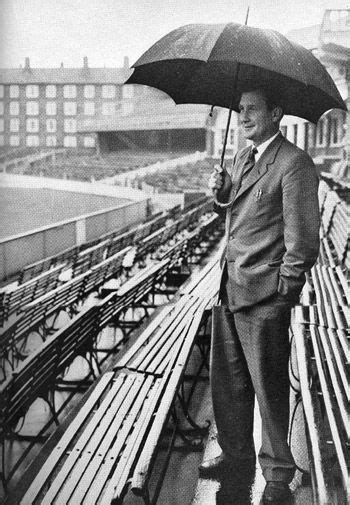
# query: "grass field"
{"points": [[26, 209]]}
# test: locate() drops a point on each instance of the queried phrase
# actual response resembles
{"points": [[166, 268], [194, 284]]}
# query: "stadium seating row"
{"points": [[320, 329], [40, 276], [114, 436]]}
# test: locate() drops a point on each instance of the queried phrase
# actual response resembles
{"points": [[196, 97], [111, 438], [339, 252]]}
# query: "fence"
{"points": [[20, 250]]}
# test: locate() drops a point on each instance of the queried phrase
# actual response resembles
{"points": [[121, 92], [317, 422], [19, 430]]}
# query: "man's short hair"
{"points": [[272, 95]]}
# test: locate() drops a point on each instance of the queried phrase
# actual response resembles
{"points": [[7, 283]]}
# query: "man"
{"points": [[272, 227]]}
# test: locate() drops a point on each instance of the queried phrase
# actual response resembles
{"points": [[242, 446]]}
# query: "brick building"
{"points": [[40, 107]]}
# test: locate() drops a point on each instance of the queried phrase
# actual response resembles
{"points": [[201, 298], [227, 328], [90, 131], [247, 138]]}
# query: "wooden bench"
{"points": [[43, 370], [18, 296], [327, 289], [37, 376], [114, 438], [35, 314], [335, 229], [322, 357]]}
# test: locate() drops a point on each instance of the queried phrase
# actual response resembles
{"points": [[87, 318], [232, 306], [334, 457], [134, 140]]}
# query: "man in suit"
{"points": [[272, 230]]}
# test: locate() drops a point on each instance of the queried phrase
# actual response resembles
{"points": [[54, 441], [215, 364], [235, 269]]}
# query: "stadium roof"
{"points": [[167, 116]]}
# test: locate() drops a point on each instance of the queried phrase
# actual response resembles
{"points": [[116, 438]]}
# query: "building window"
{"points": [[32, 108], [32, 125], [320, 136], [284, 130], [127, 91], [14, 125], [89, 91], [2, 90], [51, 125], [2, 125], [232, 137], [89, 108], [70, 141], [51, 109], [295, 134], [70, 125], [14, 108], [1, 108], [51, 141], [51, 91], [69, 91], [108, 91], [335, 133], [2, 140], [14, 91], [108, 108], [89, 142], [128, 107], [14, 140], [32, 91], [70, 108], [32, 140]]}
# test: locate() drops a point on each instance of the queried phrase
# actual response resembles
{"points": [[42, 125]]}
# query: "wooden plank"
{"points": [[120, 387], [54, 458], [329, 408], [115, 425], [323, 497], [335, 383], [178, 364], [133, 430]]}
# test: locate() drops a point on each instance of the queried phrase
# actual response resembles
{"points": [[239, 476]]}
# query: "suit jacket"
{"points": [[272, 224]]}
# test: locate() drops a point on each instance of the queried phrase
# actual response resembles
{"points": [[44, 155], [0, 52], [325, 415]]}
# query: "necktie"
{"points": [[249, 164]]}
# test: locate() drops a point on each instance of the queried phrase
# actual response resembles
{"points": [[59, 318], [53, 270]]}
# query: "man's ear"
{"points": [[277, 114]]}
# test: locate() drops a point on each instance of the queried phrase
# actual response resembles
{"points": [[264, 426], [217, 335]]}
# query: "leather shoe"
{"points": [[221, 465], [276, 492]]}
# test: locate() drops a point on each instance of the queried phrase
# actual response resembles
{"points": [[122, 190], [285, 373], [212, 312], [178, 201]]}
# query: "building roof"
{"points": [[162, 116], [307, 36], [84, 75]]}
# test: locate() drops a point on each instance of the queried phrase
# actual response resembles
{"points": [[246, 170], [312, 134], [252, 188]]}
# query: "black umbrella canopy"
{"points": [[214, 63]]}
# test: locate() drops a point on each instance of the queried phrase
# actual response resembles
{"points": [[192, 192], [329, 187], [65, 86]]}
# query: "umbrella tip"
{"points": [[211, 111], [247, 15]]}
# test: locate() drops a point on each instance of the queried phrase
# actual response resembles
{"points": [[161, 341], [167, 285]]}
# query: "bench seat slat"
{"points": [[118, 458], [328, 405], [179, 363], [120, 387], [123, 406], [57, 453], [335, 379]]}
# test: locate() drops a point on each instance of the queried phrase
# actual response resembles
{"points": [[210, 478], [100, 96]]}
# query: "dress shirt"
{"points": [[260, 149]]}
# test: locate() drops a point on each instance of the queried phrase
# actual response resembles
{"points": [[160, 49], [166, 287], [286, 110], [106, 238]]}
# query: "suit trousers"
{"points": [[249, 356]]}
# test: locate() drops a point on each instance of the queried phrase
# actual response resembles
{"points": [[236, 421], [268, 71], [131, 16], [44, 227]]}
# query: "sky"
{"points": [[53, 31]]}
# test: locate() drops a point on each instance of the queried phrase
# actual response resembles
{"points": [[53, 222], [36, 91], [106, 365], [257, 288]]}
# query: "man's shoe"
{"points": [[276, 493], [222, 465]]}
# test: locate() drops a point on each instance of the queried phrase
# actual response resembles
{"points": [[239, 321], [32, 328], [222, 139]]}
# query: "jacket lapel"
{"points": [[261, 166]]}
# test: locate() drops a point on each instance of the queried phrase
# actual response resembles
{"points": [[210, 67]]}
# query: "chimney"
{"points": [[85, 64], [27, 63], [126, 62]]}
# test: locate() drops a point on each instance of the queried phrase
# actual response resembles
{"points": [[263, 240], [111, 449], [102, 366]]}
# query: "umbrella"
{"points": [[213, 63]]}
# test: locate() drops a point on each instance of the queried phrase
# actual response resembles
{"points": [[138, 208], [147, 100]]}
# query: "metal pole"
{"points": [[231, 106]]}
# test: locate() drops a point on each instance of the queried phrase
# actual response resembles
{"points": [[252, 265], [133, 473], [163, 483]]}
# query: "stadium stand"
{"points": [[41, 372], [320, 328], [35, 315], [84, 167], [114, 436]]}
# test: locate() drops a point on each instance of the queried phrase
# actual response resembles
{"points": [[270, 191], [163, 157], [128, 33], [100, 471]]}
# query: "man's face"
{"points": [[257, 121]]}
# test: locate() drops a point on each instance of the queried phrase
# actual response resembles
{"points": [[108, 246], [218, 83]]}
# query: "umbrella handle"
{"points": [[219, 169]]}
